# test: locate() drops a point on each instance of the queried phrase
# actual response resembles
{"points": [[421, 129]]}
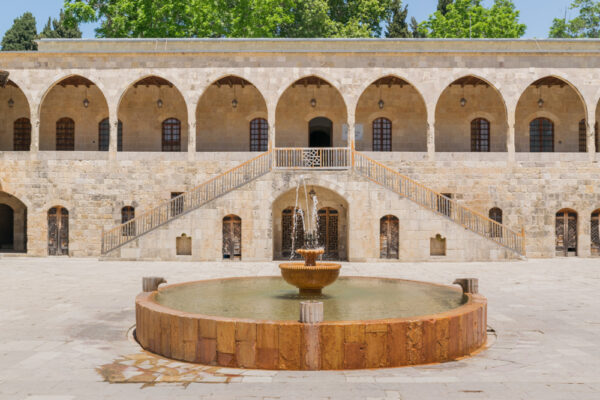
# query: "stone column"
{"points": [[584, 227], [35, 131], [591, 131], [431, 136], [113, 123], [351, 130], [271, 121], [192, 132], [510, 136]]}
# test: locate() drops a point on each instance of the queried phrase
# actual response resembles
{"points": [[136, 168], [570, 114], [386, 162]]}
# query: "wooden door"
{"points": [[328, 232], [58, 231], [292, 238], [595, 233], [389, 237], [232, 237], [566, 233]]}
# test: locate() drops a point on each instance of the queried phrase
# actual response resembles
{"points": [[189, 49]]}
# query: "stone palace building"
{"points": [[205, 149]]}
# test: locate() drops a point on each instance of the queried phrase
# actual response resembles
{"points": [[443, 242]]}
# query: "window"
{"points": [[382, 134], [22, 134], [444, 204], [480, 135], [232, 237], [259, 135], [58, 231], [541, 135], [127, 214], [65, 134], [176, 203], [566, 233], [595, 233], [389, 237], [496, 215], [104, 135], [582, 136], [171, 135]]}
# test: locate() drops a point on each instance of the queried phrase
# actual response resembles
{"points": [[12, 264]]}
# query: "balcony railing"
{"points": [[313, 158]]}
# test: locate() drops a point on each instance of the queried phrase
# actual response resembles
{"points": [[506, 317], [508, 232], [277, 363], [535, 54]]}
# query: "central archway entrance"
{"points": [[320, 131], [13, 224], [7, 216]]}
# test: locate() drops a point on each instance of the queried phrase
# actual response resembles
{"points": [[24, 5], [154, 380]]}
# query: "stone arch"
{"points": [[78, 98], [556, 96], [327, 199], [464, 97], [309, 95], [13, 224], [142, 108], [394, 98], [223, 108], [14, 105]]}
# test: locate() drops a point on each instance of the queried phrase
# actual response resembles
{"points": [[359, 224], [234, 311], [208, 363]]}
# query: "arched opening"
{"points": [[468, 110], [232, 237], [104, 135], [400, 103], [320, 132], [15, 128], [389, 237], [566, 233], [144, 107], [306, 99], [547, 117], [226, 110], [58, 231], [332, 221], [69, 115], [13, 224], [495, 215], [128, 214], [595, 233]]}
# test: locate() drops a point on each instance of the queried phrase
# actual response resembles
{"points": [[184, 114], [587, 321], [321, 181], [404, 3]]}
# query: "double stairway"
{"points": [[320, 159]]}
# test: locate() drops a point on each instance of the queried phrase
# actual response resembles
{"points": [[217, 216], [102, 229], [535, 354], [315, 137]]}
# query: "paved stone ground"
{"points": [[62, 320]]}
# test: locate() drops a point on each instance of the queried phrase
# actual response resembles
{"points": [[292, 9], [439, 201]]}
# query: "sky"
{"points": [[536, 14]]}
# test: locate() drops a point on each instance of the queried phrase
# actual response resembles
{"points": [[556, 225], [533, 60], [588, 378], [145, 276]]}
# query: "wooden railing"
{"points": [[313, 158], [186, 202], [439, 203]]}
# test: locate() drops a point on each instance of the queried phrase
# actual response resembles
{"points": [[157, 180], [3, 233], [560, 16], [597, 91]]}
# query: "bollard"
{"points": [[469, 285], [311, 312], [150, 283]]}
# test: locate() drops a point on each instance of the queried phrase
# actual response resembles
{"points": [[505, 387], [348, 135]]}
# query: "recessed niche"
{"points": [[437, 246], [184, 245]]}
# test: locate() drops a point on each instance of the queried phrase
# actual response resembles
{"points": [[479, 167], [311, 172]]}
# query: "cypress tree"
{"points": [[21, 34]]}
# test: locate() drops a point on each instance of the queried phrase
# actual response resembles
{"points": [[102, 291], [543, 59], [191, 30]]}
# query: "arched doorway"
{"points": [[595, 233], [389, 237], [232, 237], [328, 232], [566, 233], [495, 214], [320, 130], [58, 231], [7, 219], [292, 232]]}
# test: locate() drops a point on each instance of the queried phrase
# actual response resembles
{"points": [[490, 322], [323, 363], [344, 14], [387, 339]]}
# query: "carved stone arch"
{"points": [[60, 77], [332, 81]]}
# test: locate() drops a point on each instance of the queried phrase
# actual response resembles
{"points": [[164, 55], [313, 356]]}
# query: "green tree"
{"points": [[59, 29], [21, 34], [231, 18], [443, 6], [416, 30], [584, 25], [396, 23], [470, 19]]}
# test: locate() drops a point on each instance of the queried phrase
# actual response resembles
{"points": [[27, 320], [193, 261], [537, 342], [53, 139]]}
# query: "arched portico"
{"points": [[13, 224], [332, 214], [225, 115], [15, 124]]}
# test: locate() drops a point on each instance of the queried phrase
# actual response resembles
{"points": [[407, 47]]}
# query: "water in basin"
{"points": [[348, 299]]}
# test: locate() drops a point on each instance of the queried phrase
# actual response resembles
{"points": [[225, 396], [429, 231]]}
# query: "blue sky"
{"points": [[536, 14]]}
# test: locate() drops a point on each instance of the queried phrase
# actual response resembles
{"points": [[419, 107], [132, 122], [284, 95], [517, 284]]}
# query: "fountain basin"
{"points": [[310, 279], [369, 323]]}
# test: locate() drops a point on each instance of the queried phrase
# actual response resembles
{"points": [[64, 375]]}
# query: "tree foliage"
{"points": [[21, 34], [55, 29], [232, 18], [397, 26], [443, 6], [584, 25], [470, 19]]}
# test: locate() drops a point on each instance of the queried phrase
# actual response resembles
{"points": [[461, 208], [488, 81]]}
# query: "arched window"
{"points": [[388, 237], [496, 215], [171, 135], [21, 134], [65, 134], [541, 135], [259, 134], [480, 135], [382, 134], [566, 232], [582, 136], [232, 237], [127, 214], [58, 231], [595, 233], [104, 135]]}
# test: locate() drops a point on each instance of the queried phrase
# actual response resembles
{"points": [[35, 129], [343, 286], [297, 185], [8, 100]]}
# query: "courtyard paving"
{"points": [[64, 327]]}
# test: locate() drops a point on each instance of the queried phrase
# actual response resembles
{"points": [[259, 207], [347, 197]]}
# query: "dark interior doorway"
{"points": [[7, 227], [320, 131]]}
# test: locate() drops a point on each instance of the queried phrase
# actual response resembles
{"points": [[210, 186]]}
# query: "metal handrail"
{"points": [[312, 158], [186, 202], [438, 203]]}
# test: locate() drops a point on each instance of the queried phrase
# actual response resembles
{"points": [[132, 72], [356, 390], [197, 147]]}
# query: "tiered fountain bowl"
{"points": [[310, 276]]}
